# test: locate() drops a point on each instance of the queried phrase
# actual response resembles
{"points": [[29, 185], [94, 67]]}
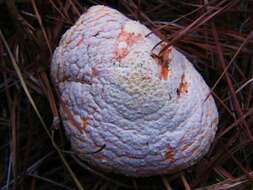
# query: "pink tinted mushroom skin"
{"points": [[149, 118]]}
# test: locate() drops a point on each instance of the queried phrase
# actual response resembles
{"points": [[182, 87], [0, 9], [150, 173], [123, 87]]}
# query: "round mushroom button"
{"points": [[146, 115]]}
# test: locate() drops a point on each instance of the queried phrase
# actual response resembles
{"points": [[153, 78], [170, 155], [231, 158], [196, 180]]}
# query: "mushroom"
{"points": [[124, 110]]}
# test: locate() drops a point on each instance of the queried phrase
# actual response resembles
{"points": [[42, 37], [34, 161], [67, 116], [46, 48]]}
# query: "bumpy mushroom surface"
{"points": [[144, 117]]}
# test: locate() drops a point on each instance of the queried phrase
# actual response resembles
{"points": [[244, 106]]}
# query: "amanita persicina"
{"points": [[143, 117]]}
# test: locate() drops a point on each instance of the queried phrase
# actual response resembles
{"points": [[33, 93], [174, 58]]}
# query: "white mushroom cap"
{"points": [[150, 118]]}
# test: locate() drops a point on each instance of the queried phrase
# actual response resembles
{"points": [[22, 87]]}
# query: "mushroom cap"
{"points": [[123, 110]]}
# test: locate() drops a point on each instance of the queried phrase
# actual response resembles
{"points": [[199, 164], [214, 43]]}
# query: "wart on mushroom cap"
{"points": [[149, 117]]}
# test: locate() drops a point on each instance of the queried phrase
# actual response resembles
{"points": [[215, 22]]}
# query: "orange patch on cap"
{"points": [[94, 71], [166, 55], [85, 122], [183, 86], [129, 39], [164, 73], [170, 155], [209, 113], [163, 61], [121, 53], [70, 117]]}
